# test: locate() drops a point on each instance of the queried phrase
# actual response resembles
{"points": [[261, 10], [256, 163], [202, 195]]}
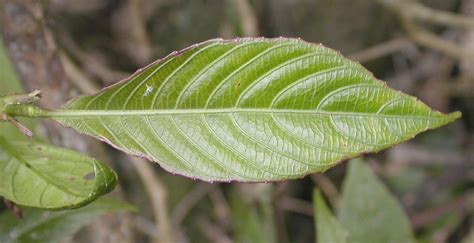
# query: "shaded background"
{"points": [[70, 47]]}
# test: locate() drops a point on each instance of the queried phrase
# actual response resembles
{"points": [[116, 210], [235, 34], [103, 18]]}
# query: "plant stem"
{"points": [[158, 196], [25, 110]]}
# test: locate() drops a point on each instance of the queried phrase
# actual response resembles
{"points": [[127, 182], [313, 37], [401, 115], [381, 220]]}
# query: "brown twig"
{"points": [[221, 206], [27, 132], [90, 63], [451, 176], [296, 205], [380, 50], [248, 18], [213, 232], [407, 14], [146, 226], [129, 26], [427, 217], [327, 187], [430, 40], [189, 201], [158, 197], [421, 12], [139, 28], [76, 77], [410, 154]]}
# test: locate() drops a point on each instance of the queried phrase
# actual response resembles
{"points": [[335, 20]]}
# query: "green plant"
{"points": [[247, 110], [363, 197], [44, 226], [69, 180]]}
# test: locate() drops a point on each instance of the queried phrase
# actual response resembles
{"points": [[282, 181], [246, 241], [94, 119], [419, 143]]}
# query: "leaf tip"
{"points": [[454, 115]]}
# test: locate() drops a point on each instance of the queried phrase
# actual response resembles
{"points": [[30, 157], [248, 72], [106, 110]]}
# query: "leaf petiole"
{"points": [[25, 110], [20, 102]]}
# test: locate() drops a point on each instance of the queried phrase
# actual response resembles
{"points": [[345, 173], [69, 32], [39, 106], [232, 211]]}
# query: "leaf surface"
{"points": [[250, 110], [252, 218], [368, 211], [46, 226], [328, 228], [40, 175]]}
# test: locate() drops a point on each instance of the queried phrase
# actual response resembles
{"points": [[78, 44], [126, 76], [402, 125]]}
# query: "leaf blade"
{"points": [[45, 226], [17, 153], [250, 110], [368, 211], [252, 218], [39, 175], [328, 228]]}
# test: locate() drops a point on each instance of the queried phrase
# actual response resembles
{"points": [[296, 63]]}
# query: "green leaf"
{"points": [[250, 110], [252, 219], [368, 211], [40, 175], [328, 228], [45, 226]]}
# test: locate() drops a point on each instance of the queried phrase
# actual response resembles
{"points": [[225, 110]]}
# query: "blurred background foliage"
{"points": [[67, 47]]}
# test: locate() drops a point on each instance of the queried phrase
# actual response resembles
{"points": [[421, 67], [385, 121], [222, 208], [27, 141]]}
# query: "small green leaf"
{"points": [[45, 226], [368, 211], [39, 175], [252, 220], [250, 110], [328, 228]]}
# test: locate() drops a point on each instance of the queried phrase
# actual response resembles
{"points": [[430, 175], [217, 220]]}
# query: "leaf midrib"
{"points": [[108, 113]]}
